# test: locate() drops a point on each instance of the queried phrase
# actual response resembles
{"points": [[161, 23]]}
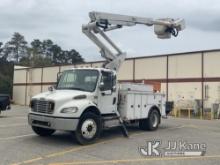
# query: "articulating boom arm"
{"points": [[103, 22]]}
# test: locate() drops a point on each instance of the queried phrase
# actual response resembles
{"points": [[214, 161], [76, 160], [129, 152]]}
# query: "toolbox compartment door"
{"points": [[137, 110]]}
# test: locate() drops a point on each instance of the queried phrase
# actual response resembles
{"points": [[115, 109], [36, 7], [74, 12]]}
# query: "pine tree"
{"points": [[16, 47]]}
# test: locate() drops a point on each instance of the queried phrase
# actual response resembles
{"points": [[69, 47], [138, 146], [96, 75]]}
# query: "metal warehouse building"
{"points": [[191, 80]]}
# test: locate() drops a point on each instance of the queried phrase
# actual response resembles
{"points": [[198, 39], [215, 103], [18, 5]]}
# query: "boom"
{"points": [[103, 22]]}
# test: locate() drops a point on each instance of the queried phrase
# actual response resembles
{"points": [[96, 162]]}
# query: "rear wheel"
{"points": [[88, 129], [42, 131], [152, 122]]}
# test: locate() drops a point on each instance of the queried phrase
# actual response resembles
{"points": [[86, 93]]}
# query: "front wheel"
{"points": [[88, 129], [42, 131], [152, 122]]}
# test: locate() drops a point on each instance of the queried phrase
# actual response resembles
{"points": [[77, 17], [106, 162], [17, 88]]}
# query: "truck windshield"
{"points": [[84, 80]]}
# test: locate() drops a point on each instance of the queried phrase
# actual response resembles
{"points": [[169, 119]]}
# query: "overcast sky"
{"points": [[61, 20]]}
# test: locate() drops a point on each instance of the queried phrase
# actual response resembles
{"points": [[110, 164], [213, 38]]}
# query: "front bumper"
{"points": [[51, 122]]}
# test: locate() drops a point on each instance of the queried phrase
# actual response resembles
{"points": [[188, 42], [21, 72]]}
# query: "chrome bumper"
{"points": [[51, 122]]}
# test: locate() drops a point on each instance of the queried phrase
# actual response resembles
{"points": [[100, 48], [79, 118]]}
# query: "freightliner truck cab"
{"points": [[78, 92]]}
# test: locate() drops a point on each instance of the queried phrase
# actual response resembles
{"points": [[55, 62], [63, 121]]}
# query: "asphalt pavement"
{"points": [[19, 145]]}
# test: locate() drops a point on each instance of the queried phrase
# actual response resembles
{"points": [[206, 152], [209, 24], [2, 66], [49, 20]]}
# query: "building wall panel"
{"points": [[20, 76], [126, 71], [19, 95], [185, 91], [50, 74], [34, 75], [212, 64], [163, 88], [150, 68], [185, 66], [211, 93]]}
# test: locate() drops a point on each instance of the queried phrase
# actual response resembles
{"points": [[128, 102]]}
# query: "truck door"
{"points": [[107, 99]]}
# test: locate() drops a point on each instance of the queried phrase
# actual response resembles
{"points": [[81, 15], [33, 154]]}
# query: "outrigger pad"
{"points": [[124, 130]]}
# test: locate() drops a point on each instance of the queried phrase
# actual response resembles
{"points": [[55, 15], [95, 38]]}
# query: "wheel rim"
{"points": [[89, 129], [154, 120]]}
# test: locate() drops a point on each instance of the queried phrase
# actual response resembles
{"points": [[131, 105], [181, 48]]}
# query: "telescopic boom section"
{"points": [[103, 22]]}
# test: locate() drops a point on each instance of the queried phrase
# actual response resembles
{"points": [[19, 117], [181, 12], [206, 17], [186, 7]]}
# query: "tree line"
{"points": [[36, 53]]}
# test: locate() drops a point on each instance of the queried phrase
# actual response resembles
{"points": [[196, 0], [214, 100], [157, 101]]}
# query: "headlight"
{"points": [[69, 110]]}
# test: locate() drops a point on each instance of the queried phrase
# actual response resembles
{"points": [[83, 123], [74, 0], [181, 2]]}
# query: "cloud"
{"points": [[61, 21]]}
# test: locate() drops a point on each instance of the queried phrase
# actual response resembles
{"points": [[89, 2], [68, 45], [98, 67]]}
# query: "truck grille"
{"points": [[42, 106]]}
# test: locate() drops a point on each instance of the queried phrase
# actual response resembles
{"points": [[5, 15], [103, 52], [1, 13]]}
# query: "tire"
{"points": [[152, 122], [43, 131], [88, 129]]}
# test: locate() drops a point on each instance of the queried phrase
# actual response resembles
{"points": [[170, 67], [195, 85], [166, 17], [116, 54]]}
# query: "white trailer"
{"points": [[87, 100]]}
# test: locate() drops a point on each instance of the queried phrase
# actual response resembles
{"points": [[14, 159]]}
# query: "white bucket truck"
{"points": [[87, 100]]}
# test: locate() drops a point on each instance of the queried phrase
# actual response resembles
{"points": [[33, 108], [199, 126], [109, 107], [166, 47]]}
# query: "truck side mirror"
{"points": [[101, 86], [113, 88], [51, 88]]}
